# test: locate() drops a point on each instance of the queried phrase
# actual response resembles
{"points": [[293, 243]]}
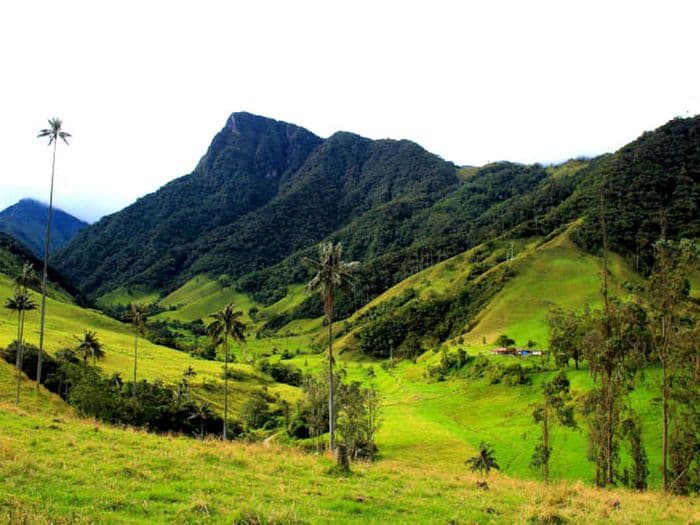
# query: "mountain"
{"points": [[26, 222], [263, 190], [266, 192], [14, 254]]}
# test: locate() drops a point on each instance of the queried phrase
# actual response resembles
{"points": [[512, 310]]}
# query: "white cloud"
{"points": [[144, 86]]}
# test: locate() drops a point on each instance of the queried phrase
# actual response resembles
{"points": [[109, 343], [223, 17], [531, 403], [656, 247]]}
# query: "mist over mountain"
{"points": [[26, 222]]}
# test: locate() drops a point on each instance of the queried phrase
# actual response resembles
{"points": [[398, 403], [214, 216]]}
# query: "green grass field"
{"points": [[66, 321], [556, 274], [79, 474], [58, 468]]}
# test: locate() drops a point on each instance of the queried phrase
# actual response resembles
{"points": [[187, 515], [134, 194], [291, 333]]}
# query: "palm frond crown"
{"points": [[484, 461], [227, 322], [21, 301], [137, 315], [331, 273], [90, 345], [27, 278], [55, 131]]}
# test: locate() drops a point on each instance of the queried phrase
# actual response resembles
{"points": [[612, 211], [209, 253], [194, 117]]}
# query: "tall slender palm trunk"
{"points": [[44, 272], [136, 347], [20, 352], [664, 437], [545, 439], [331, 390], [225, 386]]}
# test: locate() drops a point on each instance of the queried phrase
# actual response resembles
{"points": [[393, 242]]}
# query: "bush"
{"points": [[504, 340], [510, 375], [256, 413], [450, 362], [155, 407], [281, 372]]}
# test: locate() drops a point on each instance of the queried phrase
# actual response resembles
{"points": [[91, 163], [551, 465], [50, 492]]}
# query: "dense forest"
{"points": [[396, 208]]}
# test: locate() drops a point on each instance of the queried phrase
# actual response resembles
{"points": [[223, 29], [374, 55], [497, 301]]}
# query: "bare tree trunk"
{"points": [[609, 434], [225, 385], [44, 273], [604, 228], [331, 393], [136, 346], [664, 436], [20, 337], [545, 439], [608, 474]]}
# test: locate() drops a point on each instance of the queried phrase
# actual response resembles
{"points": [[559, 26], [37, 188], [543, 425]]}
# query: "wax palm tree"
{"points": [[225, 324], [20, 303], [27, 278], [53, 132], [484, 461], [331, 275], [90, 345], [137, 317]]}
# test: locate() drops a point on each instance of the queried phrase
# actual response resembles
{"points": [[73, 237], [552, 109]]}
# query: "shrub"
{"points": [[281, 372], [255, 412], [504, 340]]}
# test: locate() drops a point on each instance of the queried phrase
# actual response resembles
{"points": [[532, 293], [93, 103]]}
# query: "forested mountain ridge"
{"points": [[26, 222], [150, 240], [263, 190], [266, 192]]}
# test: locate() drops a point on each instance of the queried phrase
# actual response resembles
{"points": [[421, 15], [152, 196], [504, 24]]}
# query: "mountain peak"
{"points": [[245, 123]]}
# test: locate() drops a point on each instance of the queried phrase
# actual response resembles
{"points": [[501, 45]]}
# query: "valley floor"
{"points": [[58, 468]]}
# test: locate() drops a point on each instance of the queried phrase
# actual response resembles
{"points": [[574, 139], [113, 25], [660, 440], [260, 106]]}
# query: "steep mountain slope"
{"points": [[13, 255], [152, 241], [396, 208], [26, 222], [260, 179], [655, 176], [650, 185], [497, 287]]}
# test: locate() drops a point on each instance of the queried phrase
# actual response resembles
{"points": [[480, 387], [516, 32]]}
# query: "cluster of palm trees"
{"points": [[22, 302]]}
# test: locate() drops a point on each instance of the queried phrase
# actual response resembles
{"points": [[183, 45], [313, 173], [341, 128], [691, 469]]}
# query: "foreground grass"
{"points": [[58, 468]]}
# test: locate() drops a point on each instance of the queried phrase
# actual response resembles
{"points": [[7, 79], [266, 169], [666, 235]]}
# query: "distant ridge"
{"points": [[26, 222]]}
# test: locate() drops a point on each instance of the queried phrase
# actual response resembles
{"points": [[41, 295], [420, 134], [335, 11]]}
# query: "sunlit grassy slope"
{"points": [[65, 321], [58, 468], [555, 274], [122, 295], [548, 274], [442, 423]]}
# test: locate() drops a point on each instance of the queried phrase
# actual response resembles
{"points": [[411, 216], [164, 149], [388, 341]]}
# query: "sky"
{"points": [[144, 86]]}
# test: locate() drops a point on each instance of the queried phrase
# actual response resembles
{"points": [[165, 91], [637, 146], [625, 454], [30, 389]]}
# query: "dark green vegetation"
{"points": [[447, 271], [14, 255], [26, 222], [266, 191]]}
